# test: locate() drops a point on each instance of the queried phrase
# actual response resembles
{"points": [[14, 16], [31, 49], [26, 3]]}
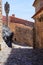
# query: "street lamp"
{"points": [[7, 8]]}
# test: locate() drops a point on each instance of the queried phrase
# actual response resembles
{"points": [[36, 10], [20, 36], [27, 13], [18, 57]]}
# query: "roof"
{"points": [[41, 9], [34, 2], [21, 21], [14, 19]]}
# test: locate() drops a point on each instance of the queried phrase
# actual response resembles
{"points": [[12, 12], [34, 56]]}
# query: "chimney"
{"points": [[13, 15]]}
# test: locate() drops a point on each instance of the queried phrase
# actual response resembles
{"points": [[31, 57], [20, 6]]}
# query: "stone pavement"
{"points": [[4, 54], [21, 56], [37, 58]]}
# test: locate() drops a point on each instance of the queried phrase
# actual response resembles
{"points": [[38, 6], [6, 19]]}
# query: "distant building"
{"points": [[23, 29]]}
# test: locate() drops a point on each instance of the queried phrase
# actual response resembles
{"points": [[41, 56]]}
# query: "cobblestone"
{"points": [[15, 56], [21, 56]]}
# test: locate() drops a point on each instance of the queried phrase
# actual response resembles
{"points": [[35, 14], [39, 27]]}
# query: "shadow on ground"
{"points": [[25, 57]]}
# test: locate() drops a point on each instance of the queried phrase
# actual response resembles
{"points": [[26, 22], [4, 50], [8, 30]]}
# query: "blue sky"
{"points": [[21, 8]]}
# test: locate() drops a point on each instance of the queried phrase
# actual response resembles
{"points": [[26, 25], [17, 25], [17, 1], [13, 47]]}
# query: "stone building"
{"points": [[2, 43], [23, 30], [38, 17]]}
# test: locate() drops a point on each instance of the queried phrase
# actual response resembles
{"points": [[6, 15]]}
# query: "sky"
{"points": [[21, 8]]}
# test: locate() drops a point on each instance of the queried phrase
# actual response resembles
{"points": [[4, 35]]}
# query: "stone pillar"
{"points": [[2, 43]]}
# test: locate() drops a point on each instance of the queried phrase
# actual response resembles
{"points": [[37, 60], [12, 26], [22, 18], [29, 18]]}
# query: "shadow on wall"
{"points": [[25, 57]]}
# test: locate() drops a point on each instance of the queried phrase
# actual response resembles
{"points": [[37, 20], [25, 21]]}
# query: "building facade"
{"points": [[22, 29], [38, 17], [2, 43]]}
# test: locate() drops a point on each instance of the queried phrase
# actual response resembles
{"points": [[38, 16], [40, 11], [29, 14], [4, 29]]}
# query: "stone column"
{"points": [[2, 43]]}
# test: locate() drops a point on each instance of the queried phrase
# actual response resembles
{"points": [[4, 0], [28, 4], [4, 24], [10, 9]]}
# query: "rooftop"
{"points": [[34, 2], [14, 19], [41, 9]]}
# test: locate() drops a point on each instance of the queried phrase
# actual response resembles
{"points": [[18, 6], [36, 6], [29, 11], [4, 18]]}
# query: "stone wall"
{"points": [[37, 7], [24, 34], [2, 43], [39, 34], [39, 30], [22, 29]]}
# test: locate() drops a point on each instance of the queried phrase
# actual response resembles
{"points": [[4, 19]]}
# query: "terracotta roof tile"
{"points": [[21, 21], [13, 19]]}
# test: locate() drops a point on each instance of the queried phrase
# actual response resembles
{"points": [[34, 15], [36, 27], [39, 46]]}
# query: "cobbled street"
{"points": [[21, 56]]}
